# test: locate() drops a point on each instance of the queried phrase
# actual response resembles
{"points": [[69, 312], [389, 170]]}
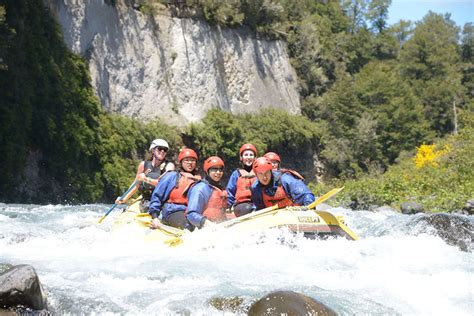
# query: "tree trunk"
{"points": [[455, 118]]}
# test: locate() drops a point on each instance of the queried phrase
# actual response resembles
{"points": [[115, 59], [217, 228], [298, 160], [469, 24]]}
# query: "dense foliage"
{"points": [[371, 94], [221, 133], [378, 89], [442, 181], [51, 120]]}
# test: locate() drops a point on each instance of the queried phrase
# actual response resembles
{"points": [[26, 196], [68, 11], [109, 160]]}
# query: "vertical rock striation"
{"points": [[173, 68]]}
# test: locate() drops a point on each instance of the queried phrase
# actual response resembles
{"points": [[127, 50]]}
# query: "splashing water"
{"points": [[86, 268]]}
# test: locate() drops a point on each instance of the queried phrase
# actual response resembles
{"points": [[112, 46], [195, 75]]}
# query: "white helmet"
{"points": [[159, 143]]}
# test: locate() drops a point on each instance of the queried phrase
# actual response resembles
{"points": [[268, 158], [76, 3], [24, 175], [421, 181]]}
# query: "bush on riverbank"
{"points": [[443, 183]]}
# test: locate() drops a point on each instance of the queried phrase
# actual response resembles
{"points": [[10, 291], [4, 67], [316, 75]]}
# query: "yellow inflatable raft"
{"points": [[298, 219]]}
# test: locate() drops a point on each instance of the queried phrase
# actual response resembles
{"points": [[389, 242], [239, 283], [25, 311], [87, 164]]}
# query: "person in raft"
{"points": [[274, 159], [240, 181], [149, 172], [170, 195], [282, 187], [207, 199]]}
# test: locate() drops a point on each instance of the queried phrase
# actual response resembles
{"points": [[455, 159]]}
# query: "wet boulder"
{"points": [[411, 207], [288, 303], [4, 267], [20, 286], [469, 207], [384, 208], [234, 304], [455, 230]]}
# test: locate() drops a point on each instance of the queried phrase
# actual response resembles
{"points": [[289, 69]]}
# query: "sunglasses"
{"points": [[216, 169], [161, 149]]}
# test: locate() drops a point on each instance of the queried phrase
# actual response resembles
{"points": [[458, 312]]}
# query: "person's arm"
{"points": [[257, 199], [161, 193], [198, 197], [297, 190], [140, 170], [232, 188]]}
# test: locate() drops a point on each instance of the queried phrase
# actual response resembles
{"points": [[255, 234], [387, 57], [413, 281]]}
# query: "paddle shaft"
{"points": [[324, 197], [178, 240], [120, 198]]}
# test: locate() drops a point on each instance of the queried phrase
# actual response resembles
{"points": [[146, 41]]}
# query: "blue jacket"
{"points": [[161, 194], [198, 197], [232, 187], [294, 188]]}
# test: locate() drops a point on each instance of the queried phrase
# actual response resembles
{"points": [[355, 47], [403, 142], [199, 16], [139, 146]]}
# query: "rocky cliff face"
{"points": [[172, 68]]}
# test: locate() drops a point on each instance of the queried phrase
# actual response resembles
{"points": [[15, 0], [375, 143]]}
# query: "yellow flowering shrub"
{"points": [[443, 188], [427, 155]]}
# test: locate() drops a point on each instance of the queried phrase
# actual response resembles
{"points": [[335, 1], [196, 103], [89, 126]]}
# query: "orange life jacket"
{"points": [[179, 195], [244, 183], [281, 197], [215, 208]]}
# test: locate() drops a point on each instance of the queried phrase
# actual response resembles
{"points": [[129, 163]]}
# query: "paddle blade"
{"points": [[173, 242], [101, 219], [107, 213]]}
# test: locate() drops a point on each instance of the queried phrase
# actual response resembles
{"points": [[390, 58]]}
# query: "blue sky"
{"points": [[462, 11]]}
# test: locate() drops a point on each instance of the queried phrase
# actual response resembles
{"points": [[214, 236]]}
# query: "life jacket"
{"points": [[280, 197], [215, 208], [244, 183], [184, 181], [146, 189]]}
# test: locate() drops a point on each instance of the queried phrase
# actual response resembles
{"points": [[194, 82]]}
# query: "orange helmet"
{"points": [[272, 156], [187, 153], [247, 147], [213, 162], [261, 164]]}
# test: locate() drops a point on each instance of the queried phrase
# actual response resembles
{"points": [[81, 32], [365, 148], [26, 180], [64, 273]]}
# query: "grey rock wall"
{"points": [[173, 68]]}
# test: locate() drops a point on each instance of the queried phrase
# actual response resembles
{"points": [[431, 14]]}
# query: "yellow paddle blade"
{"points": [[101, 219], [145, 219], [173, 242]]}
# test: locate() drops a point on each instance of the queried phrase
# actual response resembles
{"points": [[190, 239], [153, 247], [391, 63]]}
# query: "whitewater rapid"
{"points": [[86, 268]]}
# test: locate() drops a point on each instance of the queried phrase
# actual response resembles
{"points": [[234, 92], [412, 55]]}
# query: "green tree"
{"points": [[467, 43], [384, 94], [401, 32], [226, 13], [467, 67], [432, 49], [356, 10], [372, 118], [377, 14], [431, 62]]}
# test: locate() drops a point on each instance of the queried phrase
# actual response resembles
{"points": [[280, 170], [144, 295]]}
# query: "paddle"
{"points": [[324, 197], [120, 198], [252, 215], [146, 220], [274, 208]]}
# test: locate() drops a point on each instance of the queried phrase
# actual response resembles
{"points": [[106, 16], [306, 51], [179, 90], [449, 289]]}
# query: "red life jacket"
{"points": [[244, 182], [281, 197], [215, 208], [179, 195]]}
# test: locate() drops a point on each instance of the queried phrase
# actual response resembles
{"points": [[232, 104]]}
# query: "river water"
{"points": [[86, 268]]}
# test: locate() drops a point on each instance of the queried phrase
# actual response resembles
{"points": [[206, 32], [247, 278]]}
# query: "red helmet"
{"points": [[187, 153], [247, 147], [213, 162], [261, 164], [272, 156]]}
